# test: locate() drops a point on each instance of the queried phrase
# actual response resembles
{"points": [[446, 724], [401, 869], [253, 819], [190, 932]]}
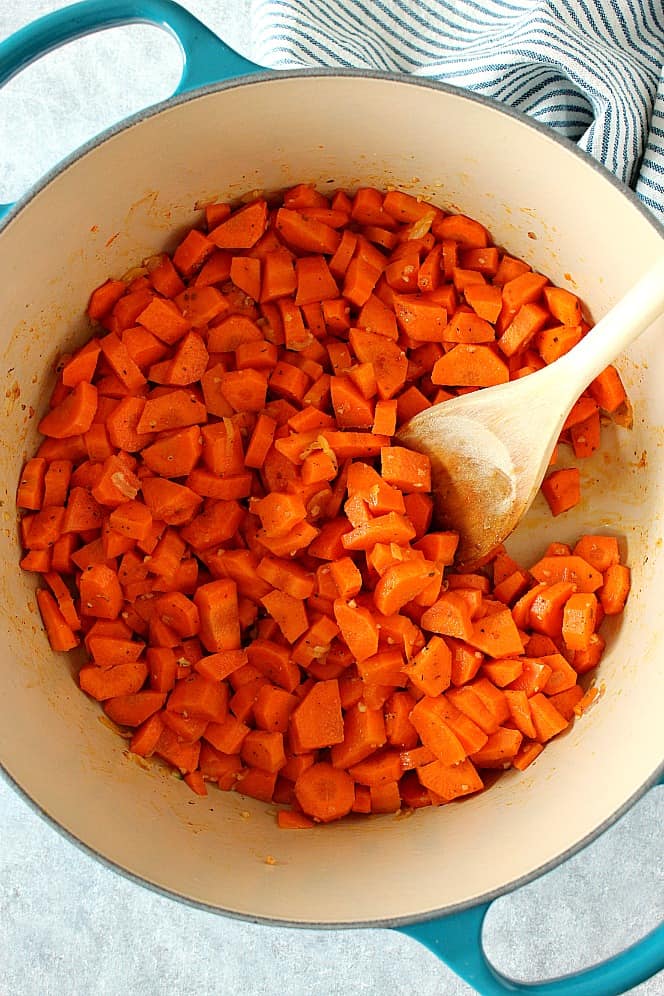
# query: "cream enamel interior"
{"points": [[131, 196]]}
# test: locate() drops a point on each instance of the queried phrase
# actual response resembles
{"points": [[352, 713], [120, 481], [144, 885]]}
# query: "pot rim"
{"points": [[270, 77], [384, 922]]}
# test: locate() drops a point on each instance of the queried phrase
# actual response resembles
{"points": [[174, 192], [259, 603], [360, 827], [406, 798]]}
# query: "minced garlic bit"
{"points": [[230, 429], [270, 860]]}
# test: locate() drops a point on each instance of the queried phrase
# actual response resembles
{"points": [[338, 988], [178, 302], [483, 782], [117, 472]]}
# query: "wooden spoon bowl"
{"points": [[490, 449]]}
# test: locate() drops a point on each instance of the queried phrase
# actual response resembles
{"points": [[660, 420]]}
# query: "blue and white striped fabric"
{"points": [[591, 69]]}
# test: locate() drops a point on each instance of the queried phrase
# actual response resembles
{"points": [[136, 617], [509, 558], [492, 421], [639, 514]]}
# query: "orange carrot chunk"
{"points": [[325, 793], [73, 415]]}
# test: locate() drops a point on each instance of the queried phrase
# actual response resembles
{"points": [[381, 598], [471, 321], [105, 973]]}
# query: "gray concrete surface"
{"points": [[70, 926]]}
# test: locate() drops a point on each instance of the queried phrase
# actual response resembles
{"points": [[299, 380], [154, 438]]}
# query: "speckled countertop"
{"points": [[69, 924]]}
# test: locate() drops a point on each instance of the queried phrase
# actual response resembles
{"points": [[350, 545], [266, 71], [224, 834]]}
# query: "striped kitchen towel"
{"points": [[591, 69]]}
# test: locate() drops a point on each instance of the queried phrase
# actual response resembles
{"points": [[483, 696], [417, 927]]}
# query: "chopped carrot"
{"points": [[501, 747], [431, 670], [566, 701], [133, 710], [607, 390], [32, 482], [324, 792], [519, 708], [400, 584], [289, 819], [264, 749], [364, 732], [599, 551], [528, 321], [527, 755], [288, 612], [243, 229], [503, 672], [548, 721], [615, 589], [219, 621], [546, 611], [554, 343], [435, 733], [169, 502], [534, 676], [358, 627], [405, 469], [109, 683], [275, 663], [470, 366], [60, 634], [146, 737], [308, 235], [279, 513], [74, 415], [450, 615], [174, 410], [101, 594], [220, 514], [318, 721], [450, 781], [579, 620], [571, 568], [389, 528], [586, 700], [562, 490], [467, 701], [273, 708]]}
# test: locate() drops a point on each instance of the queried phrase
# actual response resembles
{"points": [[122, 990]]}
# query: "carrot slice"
{"points": [[324, 792]]}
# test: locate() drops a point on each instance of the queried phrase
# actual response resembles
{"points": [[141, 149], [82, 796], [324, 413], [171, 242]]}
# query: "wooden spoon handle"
{"points": [[631, 316]]}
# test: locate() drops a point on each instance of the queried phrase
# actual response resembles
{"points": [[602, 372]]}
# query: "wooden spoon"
{"points": [[490, 449]]}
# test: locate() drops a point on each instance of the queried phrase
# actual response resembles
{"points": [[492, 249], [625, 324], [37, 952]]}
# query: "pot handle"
{"points": [[457, 940], [205, 58]]}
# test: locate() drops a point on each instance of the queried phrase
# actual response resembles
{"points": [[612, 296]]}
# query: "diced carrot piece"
{"points": [[60, 634], [607, 390], [470, 366], [501, 747], [572, 568], [548, 721], [614, 592], [450, 781], [31, 486], [243, 229], [528, 753], [74, 415], [364, 732], [289, 819], [565, 702], [562, 490]]}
